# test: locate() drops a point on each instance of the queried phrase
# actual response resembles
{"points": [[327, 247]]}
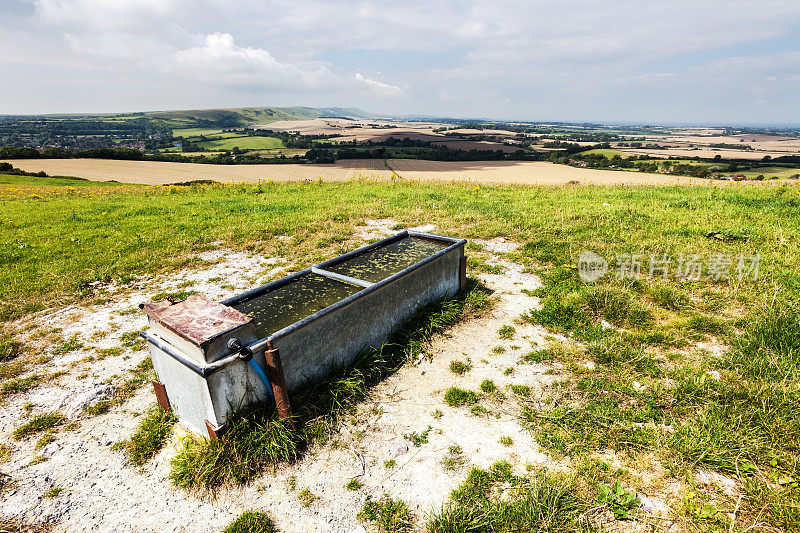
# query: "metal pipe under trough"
{"points": [[212, 357]]}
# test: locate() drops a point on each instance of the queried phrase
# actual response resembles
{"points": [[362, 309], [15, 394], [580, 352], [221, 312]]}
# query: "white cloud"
{"points": [[218, 59], [379, 87], [552, 59]]}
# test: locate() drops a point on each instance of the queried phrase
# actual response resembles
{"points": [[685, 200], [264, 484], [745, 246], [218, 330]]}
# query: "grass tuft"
{"points": [[506, 332], [496, 500], [150, 436], [20, 385], [488, 386], [460, 367], [668, 297], [255, 439], [9, 348], [418, 439], [391, 516], [456, 397], [251, 522], [52, 493], [39, 424], [454, 459]]}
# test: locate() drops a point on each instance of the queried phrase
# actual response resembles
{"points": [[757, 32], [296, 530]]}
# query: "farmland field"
{"points": [[494, 172], [604, 151], [193, 132], [706, 153], [243, 143]]}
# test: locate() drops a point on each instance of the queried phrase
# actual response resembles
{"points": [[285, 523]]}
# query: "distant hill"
{"points": [[245, 116]]}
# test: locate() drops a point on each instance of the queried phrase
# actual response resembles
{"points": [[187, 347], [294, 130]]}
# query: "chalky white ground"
{"points": [[102, 492]]}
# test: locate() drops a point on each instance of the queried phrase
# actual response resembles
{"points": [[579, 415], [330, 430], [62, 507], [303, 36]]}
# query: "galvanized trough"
{"points": [[212, 358]]}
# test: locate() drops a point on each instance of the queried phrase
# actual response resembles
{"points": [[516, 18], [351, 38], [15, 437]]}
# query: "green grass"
{"points": [[608, 152], [460, 367], [456, 397], [141, 373], [538, 503], [9, 348], [306, 497], [20, 385], [53, 493], [255, 440], [154, 229], [488, 386], [44, 440], [11, 183], [507, 332], [194, 132], [742, 424], [478, 264], [418, 439], [454, 459], [251, 522], [39, 424], [68, 346], [150, 436], [244, 143], [768, 172], [5, 453], [391, 516]]}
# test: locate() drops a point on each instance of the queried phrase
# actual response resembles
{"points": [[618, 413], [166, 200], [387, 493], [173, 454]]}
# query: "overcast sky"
{"points": [[695, 61]]}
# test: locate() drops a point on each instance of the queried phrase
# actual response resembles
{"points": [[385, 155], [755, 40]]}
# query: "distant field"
{"points": [[530, 173], [244, 143], [493, 172], [477, 145], [703, 152], [605, 152], [160, 173], [781, 172], [223, 135], [193, 132], [277, 152]]}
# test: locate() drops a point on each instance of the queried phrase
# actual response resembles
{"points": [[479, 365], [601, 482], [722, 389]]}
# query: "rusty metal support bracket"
{"points": [[276, 377], [161, 395], [215, 432], [462, 273]]}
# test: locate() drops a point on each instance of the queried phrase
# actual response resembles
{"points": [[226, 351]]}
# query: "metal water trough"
{"points": [[212, 358]]}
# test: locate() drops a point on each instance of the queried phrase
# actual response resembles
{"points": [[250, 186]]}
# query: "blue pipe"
{"points": [[261, 375]]}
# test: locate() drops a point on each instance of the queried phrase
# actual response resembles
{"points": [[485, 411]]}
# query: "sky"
{"points": [[631, 61]]}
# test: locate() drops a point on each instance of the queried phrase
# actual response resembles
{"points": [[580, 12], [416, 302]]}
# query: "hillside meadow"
{"points": [[686, 376]]}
